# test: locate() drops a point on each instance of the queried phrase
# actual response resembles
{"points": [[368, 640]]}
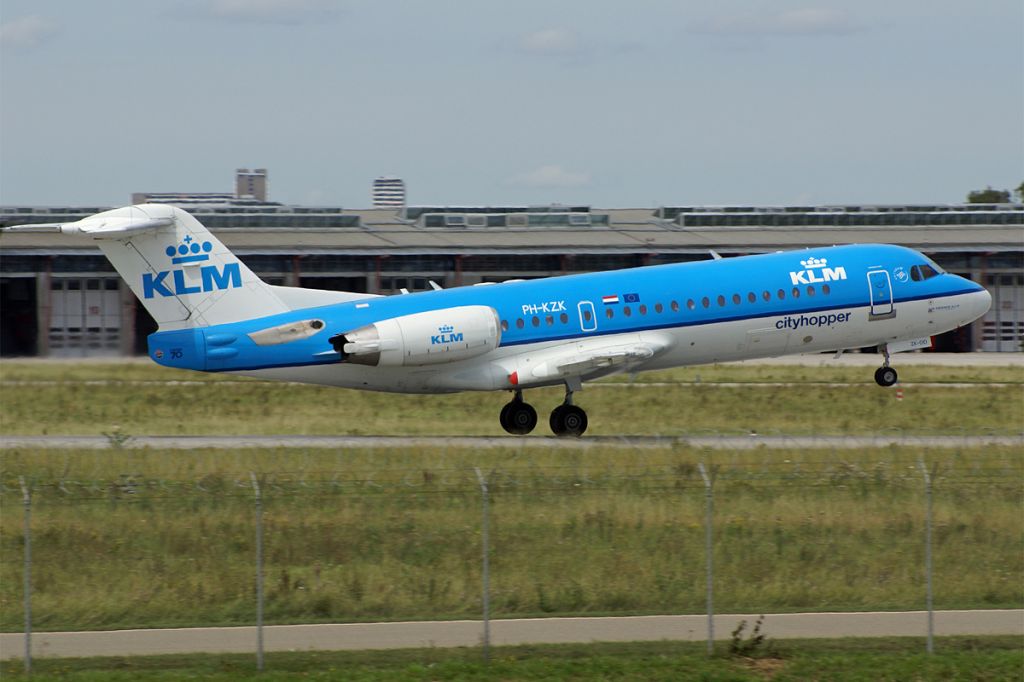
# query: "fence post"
{"points": [[708, 544], [930, 647], [26, 496], [485, 541], [259, 572]]}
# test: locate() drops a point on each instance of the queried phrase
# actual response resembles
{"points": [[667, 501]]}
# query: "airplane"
{"points": [[215, 315]]}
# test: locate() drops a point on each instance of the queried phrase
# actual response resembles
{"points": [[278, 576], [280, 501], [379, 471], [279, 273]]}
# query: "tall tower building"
{"points": [[251, 185], [388, 191]]}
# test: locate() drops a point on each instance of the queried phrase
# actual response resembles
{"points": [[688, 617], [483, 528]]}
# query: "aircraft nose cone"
{"points": [[982, 302]]}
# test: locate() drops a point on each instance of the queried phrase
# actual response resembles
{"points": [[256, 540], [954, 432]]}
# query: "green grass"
{"points": [[145, 538], [70, 406], [956, 658]]}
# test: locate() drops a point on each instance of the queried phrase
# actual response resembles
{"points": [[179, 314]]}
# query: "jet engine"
{"points": [[428, 338]]}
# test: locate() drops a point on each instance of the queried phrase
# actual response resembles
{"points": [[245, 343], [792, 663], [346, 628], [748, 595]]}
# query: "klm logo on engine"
{"points": [[816, 270], [172, 282], [446, 334]]}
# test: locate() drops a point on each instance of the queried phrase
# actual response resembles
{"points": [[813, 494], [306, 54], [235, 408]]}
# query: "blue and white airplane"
{"points": [[215, 315]]}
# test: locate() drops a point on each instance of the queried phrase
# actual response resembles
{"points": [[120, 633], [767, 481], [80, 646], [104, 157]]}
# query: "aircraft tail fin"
{"points": [[183, 275]]}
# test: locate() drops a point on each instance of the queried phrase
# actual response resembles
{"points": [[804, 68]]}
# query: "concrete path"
{"points": [[748, 442], [464, 633]]}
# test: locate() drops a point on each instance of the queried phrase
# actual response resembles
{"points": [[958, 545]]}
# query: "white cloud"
{"points": [[551, 176], [809, 21], [26, 32], [273, 11], [558, 41]]}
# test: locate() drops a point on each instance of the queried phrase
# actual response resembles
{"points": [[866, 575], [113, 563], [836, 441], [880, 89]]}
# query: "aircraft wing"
{"points": [[586, 359]]}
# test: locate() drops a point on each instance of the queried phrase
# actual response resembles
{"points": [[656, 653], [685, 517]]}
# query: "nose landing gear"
{"points": [[885, 375]]}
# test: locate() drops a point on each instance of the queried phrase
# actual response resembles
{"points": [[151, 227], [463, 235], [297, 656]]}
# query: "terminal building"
{"points": [[60, 297]]}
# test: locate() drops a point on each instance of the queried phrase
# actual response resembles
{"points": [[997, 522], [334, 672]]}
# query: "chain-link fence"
{"points": [[719, 531]]}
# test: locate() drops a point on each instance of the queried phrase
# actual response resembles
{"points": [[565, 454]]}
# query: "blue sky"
{"points": [[478, 102]]}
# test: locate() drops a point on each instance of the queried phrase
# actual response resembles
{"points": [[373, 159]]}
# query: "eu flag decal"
{"points": [[631, 298]]}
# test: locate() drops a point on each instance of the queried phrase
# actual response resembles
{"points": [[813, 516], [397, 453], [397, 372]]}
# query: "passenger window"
{"points": [[706, 302], [550, 319], [626, 311], [826, 289], [504, 325], [810, 291], [563, 318], [690, 304], [536, 321], [736, 299], [796, 293], [643, 309], [766, 296], [587, 316], [520, 324], [752, 297], [658, 308], [674, 306], [609, 313], [721, 301], [782, 294]]}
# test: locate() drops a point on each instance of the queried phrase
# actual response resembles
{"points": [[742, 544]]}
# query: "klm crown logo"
{"points": [[816, 270], [189, 251], [173, 282], [446, 334]]}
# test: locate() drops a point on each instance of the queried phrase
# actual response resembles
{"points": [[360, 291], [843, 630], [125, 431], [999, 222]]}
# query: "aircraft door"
{"points": [[588, 318], [880, 292]]}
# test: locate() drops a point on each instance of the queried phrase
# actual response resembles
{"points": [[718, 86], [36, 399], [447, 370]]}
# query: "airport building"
{"points": [[60, 297]]}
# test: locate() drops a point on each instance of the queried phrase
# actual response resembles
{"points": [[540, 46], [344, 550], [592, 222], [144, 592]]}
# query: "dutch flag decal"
{"points": [[610, 300]]}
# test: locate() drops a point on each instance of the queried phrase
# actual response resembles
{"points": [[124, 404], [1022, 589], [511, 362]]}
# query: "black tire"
{"points": [[574, 421], [557, 421], [886, 376], [503, 417], [520, 419]]}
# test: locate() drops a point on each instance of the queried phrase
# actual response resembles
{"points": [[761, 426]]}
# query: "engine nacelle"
{"points": [[428, 338]]}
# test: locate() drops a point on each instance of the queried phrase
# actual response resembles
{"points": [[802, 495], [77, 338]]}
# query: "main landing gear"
{"points": [[885, 375], [519, 418]]}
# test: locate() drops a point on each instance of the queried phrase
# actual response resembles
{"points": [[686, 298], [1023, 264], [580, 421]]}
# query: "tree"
{"points": [[1020, 192], [989, 196]]}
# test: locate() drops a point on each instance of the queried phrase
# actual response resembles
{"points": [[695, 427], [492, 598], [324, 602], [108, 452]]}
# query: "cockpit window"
{"points": [[919, 273]]}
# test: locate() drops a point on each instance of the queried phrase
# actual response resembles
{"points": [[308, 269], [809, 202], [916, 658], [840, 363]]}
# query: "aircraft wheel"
{"points": [[568, 420], [518, 418], [885, 376]]}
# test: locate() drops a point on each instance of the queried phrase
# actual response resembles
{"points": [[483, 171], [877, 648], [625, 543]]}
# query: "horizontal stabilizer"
{"points": [[100, 227]]}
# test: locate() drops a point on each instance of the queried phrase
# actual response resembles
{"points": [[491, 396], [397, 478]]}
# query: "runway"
{"points": [[465, 633], [747, 442]]}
